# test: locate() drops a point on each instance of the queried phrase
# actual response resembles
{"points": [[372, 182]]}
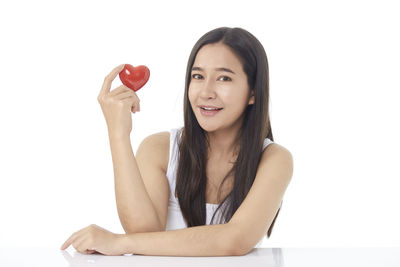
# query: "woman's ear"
{"points": [[251, 100]]}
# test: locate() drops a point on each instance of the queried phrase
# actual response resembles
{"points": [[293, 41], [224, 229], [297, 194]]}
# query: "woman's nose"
{"points": [[208, 89]]}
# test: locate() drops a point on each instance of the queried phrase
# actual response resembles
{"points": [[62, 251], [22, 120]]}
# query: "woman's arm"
{"points": [[204, 240], [135, 208]]}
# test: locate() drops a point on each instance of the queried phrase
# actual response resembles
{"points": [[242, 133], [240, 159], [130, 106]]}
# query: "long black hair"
{"points": [[191, 172]]}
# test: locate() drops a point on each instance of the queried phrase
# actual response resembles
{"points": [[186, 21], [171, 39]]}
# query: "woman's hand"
{"points": [[95, 239], [117, 105]]}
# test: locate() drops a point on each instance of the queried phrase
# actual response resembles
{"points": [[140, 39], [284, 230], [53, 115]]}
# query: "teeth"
{"points": [[209, 108]]}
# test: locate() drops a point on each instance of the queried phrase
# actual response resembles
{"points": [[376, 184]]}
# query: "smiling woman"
{"points": [[223, 163], [227, 70]]}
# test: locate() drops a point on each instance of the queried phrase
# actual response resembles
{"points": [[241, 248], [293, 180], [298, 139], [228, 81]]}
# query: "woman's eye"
{"points": [[226, 78], [195, 75]]}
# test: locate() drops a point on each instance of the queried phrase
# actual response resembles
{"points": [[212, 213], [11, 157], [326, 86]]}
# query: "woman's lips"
{"points": [[209, 113]]}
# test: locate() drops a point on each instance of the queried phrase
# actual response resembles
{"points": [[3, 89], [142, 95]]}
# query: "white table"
{"points": [[288, 257]]}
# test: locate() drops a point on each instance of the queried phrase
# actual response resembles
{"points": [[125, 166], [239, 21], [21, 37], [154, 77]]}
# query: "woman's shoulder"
{"points": [[276, 160], [161, 136], [276, 150]]}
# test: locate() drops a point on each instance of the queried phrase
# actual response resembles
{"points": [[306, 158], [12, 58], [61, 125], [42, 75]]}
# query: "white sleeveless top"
{"points": [[175, 218]]}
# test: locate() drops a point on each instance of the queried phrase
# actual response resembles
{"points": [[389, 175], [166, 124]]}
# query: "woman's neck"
{"points": [[222, 145]]}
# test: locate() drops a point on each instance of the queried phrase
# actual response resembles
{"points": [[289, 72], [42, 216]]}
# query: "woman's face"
{"points": [[218, 79]]}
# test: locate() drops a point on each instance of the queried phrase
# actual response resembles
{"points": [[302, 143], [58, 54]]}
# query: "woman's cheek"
{"points": [[192, 91], [191, 96]]}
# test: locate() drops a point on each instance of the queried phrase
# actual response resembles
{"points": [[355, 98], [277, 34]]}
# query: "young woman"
{"points": [[222, 164]]}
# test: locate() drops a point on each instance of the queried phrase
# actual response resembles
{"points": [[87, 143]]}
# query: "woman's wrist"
{"points": [[118, 136], [125, 242]]}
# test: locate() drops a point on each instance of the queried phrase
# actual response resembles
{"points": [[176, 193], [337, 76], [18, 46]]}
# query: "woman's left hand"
{"points": [[93, 239]]}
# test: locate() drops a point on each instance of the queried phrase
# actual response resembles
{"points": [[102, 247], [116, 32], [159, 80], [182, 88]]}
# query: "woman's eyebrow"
{"points": [[217, 69]]}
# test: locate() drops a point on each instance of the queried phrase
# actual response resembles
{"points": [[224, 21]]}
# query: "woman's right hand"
{"points": [[117, 105]]}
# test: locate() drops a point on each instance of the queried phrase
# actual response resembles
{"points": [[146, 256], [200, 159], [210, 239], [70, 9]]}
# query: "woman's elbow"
{"points": [[237, 246]]}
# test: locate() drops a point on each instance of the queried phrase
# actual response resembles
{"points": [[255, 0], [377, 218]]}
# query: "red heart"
{"points": [[134, 77]]}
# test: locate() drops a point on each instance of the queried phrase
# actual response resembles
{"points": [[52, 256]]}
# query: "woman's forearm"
{"points": [[135, 208], [205, 240]]}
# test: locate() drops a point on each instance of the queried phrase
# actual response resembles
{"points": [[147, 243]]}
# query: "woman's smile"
{"points": [[209, 113]]}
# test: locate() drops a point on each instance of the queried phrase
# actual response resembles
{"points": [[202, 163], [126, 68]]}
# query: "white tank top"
{"points": [[175, 218]]}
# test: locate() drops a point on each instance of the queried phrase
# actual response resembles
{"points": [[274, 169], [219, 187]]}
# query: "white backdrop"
{"points": [[334, 77]]}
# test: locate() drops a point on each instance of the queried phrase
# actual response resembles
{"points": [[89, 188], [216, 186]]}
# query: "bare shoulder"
{"points": [[159, 145], [275, 148], [276, 156]]}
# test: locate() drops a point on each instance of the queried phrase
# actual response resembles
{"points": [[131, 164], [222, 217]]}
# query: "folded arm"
{"points": [[204, 240], [247, 226]]}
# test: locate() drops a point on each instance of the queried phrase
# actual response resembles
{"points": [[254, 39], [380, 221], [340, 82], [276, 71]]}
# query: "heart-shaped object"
{"points": [[134, 77]]}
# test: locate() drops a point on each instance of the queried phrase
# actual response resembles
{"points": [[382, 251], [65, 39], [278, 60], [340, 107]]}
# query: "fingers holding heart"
{"points": [[133, 78], [118, 90], [109, 78], [125, 94]]}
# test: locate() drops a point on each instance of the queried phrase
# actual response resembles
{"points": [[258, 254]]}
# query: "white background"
{"points": [[334, 77]]}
